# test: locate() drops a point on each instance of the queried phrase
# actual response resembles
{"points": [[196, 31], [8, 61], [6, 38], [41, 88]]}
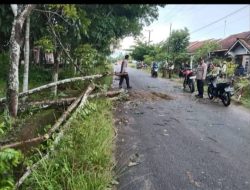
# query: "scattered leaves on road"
{"points": [[148, 95]]}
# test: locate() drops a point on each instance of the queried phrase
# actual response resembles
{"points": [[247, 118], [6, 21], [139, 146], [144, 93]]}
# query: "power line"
{"points": [[191, 8], [214, 22], [221, 25], [174, 14], [170, 19], [238, 19]]}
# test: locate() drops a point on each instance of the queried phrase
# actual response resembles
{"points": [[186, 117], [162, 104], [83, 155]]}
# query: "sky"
{"points": [[235, 18]]}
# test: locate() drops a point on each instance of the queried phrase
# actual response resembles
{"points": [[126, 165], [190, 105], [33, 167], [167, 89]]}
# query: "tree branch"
{"points": [[55, 13]]}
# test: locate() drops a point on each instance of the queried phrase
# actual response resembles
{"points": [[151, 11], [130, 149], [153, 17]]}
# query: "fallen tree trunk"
{"points": [[59, 102], [67, 101], [56, 125], [70, 109], [32, 91], [57, 139]]}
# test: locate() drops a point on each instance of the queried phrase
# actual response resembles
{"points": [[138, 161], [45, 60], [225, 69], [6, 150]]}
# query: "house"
{"points": [[240, 51], [194, 46], [226, 43]]}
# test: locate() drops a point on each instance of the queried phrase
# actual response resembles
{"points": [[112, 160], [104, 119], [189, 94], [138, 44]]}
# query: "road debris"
{"points": [[192, 181], [134, 160], [142, 95]]}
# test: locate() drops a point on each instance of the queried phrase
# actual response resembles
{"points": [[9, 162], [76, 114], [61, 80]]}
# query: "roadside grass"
{"points": [[83, 160]]}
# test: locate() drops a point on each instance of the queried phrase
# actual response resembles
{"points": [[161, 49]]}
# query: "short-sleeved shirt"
{"points": [[125, 66]]}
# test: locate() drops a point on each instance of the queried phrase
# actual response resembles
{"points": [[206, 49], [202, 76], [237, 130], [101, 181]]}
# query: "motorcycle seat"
{"points": [[223, 85]]}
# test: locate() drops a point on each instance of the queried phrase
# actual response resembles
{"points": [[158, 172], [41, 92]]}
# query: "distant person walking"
{"points": [[200, 77], [170, 70], [124, 72]]}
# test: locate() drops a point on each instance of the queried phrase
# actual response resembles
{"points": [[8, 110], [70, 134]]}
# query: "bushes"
{"points": [[9, 158]]}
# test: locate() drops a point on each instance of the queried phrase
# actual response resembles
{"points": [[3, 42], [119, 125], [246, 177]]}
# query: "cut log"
{"points": [[56, 125]]}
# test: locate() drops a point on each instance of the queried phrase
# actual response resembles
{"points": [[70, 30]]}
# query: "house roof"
{"points": [[225, 44], [246, 43], [243, 42], [193, 46], [230, 40]]}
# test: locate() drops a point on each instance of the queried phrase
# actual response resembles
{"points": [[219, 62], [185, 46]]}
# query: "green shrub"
{"points": [[9, 159]]}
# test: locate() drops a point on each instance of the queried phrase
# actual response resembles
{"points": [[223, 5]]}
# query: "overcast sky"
{"points": [[194, 17]]}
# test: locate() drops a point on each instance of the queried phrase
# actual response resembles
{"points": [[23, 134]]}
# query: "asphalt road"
{"points": [[182, 143]]}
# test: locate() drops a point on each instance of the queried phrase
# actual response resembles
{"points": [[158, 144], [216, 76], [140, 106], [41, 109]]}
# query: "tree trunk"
{"points": [[67, 101], [12, 87], [55, 73], [26, 57], [32, 91], [75, 67], [57, 139], [81, 99], [15, 43]]}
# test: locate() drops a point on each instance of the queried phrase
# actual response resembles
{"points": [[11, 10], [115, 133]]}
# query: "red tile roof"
{"points": [[193, 46], [230, 40], [225, 43]]}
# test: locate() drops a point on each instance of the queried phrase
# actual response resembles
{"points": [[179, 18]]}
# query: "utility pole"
{"points": [[170, 29], [149, 31], [225, 28], [169, 35]]}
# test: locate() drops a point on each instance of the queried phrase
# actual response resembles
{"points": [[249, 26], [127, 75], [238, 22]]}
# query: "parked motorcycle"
{"points": [[223, 90], [189, 79], [154, 71]]}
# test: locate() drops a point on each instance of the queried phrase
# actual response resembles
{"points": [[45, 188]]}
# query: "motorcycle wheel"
{"points": [[191, 86], [226, 100], [210, 92], [184, 84]]}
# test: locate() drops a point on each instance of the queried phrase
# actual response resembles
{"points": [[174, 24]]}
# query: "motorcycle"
{"points": [[223, 90], [154, 72], [189, 79]]}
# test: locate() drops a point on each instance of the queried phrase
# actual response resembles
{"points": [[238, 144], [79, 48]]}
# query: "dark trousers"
{"points": [[169, 73], [200, 86], [122, 78]]}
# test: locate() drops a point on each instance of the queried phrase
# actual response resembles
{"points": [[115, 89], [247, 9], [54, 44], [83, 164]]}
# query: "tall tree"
{"points": [[205, 49], [6, 18], [20, 14], [116, 21], [26, 56], [176, 45]]}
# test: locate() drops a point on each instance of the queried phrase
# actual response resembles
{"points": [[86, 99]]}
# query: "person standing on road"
{"points": [[200, 77], [124, 72], [224, 70], [170, 70]]}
